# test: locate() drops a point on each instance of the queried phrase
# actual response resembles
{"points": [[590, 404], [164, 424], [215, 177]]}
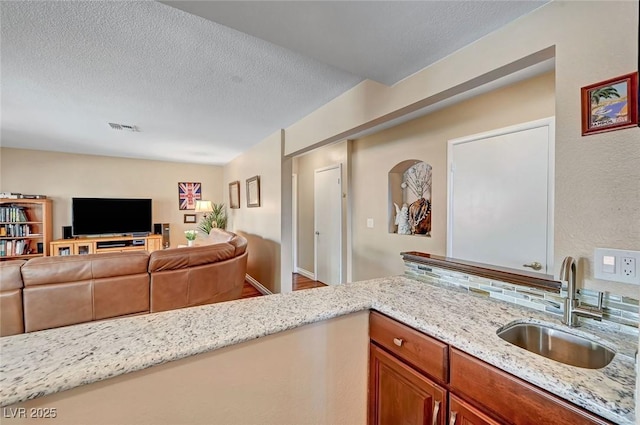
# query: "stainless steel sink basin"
{"points": [[557, 345]]}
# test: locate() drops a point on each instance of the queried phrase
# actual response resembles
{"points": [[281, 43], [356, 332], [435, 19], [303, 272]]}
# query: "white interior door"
{"points": [[328, 224], [501, 197]]}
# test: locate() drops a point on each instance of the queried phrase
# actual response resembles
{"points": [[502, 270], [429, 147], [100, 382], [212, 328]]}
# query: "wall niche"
{"points": [[410, 198]]}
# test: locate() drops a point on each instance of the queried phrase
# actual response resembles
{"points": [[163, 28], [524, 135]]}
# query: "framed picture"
{"points": [[253, 191], [234, 195], [190, 218], [610, 105], [188, 194]]}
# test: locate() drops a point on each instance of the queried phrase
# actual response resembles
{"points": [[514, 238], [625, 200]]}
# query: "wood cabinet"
{"points": [[25, 228], [82, 246], [401, 394], [416, 379]]}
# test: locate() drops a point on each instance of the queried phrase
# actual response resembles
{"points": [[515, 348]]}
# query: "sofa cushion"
{"points": [[52, 306], [11, 317], [120, 296], [10, 277], [222, 236], [182, 258], [240, 245], [119, 264], [169, 290], [49, 270], [218, 236]]}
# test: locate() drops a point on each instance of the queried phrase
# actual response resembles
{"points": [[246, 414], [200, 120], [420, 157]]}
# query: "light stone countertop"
{"points": [[36, 364]]}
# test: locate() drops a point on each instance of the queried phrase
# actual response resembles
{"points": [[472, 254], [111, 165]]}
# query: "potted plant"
{"points": [[191, 236], [215, 219]]}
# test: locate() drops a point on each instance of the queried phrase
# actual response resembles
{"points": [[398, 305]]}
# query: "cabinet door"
{"points": [[83, 248], [461, 413], [61, 249], [398, 394], [153, 244]]}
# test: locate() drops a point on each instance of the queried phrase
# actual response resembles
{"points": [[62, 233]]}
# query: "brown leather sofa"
{"points": [[50, 292]]}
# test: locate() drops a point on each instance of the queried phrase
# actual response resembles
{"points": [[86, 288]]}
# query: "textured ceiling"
{"points": [[384, 41], [197, 90]]}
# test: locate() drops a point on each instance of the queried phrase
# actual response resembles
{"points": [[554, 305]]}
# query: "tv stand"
{"points": [[99, 245]]}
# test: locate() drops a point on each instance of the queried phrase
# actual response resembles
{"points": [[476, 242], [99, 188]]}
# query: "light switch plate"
{"points": [[370, 223], [616, 265]]}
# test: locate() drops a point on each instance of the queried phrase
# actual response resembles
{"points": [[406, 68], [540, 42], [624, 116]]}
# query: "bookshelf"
{"points": [[25, 228]]}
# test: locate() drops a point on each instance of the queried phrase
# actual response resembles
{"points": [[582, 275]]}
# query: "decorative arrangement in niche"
{"points": [[410, 196]]}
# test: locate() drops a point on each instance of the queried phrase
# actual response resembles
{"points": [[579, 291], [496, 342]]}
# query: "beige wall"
{"points": [[376, 251], [597, 190], [61, 176], [305, 166], [316, 374], [261, 226]]}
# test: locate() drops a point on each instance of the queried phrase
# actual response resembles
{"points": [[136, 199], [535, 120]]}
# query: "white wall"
{"points": [[261, 225], [62, 176], [315, 374]]}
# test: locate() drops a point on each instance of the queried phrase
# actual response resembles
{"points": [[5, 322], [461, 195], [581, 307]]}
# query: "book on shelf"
{"points": [[15, 230], [13, 213], [9, 248]]}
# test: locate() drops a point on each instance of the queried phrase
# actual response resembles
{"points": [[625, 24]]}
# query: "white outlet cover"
{"points": [[370, 223], [621, 272]]}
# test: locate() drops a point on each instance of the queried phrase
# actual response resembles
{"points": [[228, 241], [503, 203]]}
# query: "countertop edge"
{"points": [[336, 302]]}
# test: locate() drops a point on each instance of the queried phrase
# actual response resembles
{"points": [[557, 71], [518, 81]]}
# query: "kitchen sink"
{"points": [[557, 345]]}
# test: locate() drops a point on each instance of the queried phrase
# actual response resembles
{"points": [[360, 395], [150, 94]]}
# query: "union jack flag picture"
{"points": [[188, 194]]}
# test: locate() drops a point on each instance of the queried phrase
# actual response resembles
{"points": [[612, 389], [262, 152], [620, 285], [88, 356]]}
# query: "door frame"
{"points": [[294, 222], [315, 223], [550, 123]]}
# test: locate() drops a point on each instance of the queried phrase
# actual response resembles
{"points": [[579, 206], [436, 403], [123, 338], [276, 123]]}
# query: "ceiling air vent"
{"points": [[124, 127]]}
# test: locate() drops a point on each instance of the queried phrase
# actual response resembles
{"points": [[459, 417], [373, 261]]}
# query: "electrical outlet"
{"points": [[628, 266], [616, 265]]}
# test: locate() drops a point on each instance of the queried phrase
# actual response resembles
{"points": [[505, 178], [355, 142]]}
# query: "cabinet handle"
{"points": [[436, 409], [398, 341], [452, 421]]}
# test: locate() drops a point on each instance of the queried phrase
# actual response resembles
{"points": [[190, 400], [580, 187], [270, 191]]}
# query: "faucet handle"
{"points": [[598, 306]]}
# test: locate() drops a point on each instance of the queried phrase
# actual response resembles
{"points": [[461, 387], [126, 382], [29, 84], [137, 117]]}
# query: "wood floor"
{"points": [[299, 283]]}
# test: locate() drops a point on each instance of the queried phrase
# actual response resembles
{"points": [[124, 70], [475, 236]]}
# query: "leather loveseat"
{"points": [[50, 292]]}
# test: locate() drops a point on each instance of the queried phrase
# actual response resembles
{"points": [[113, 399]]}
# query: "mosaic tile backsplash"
{"points": [[618, 310]]}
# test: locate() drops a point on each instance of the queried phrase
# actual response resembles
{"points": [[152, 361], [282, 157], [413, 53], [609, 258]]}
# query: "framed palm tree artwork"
{"points": [[610, 105]]}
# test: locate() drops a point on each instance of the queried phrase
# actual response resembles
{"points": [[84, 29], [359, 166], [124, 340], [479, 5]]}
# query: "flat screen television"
{"points": [[99, 216]]}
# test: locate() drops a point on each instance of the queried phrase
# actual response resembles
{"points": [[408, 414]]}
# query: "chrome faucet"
{"points": [[572, 307]]}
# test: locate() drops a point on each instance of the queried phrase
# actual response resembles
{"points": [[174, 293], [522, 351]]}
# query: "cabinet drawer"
{"points": [[418, 349], [463, 413], [518, 402]]}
